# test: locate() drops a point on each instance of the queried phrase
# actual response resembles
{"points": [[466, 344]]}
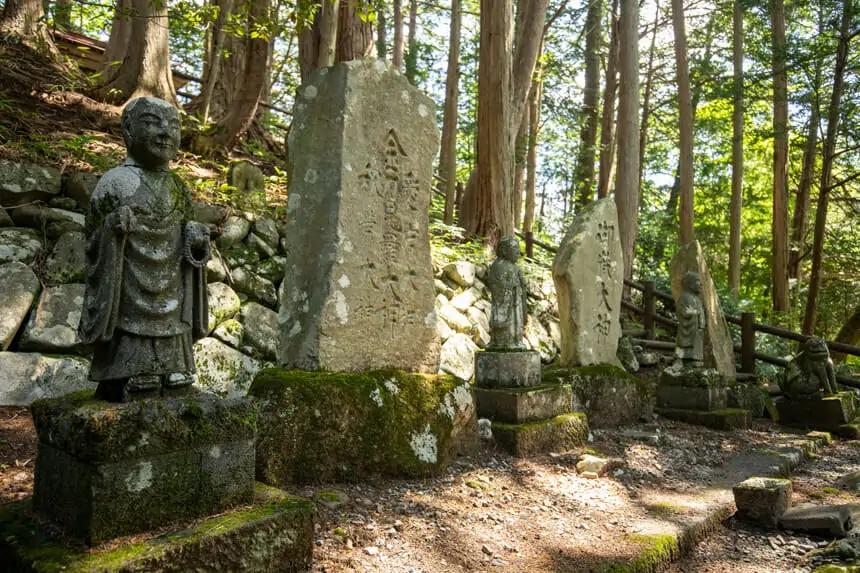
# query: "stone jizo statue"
{"points": [[145, 301], [689, 345], [809, 372], [509, 296]]}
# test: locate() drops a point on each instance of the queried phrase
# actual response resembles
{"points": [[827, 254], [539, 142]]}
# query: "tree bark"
{"points": [[214, 57], [521, 145], [590, 100], [118, 42], [627, 179], [646, 102], [685, 120], [354, 39], [328, 33], [848, 334], [412, 45], [145, 70], [531, 161], [381, 31], [833, 114], [607, 147], [448, 154], [779, 228], [397, 49], [25, 19], [736, 206], [63, 14]]}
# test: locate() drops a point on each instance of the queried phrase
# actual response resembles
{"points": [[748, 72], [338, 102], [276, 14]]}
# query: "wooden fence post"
{"points": [[748, 342], [530, 244], [648, 300]]}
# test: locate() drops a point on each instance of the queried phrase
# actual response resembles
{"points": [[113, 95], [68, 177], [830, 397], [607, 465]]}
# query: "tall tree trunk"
{"points": [[646, 102], [145, 70], [685, 115], [531, 163], [397, 49], [779, 228], [381, 31], [848, 334], [521, 144], [118, 42], [63, 14], [627, 179], [214, 57], [607, 147], [736, 206], [328, 33], [448, 153], [412, 46], [354, 39], [584, 179], [833, 114], [25, 19]]}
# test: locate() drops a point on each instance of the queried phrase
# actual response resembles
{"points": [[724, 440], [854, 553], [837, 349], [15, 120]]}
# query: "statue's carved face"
{"points": [[509, 248], [816, 349], [152, 132], [693, 283]]}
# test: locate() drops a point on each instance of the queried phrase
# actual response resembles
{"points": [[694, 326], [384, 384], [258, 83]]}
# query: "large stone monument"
{"points": [[527, 417], [146, 451], [589, 279], [359, 266]]}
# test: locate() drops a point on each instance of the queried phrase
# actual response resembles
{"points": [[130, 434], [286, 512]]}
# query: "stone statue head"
{"points": [[509, 248], [816, 349], [150, 128], [692, 283]]}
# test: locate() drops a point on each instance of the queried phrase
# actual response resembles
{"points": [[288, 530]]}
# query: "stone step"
{"points": [[521, 405], [557, 434]]}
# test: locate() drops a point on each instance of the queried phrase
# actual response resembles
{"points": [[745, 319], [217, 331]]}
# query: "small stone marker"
{"points": [[762, 500], [589, 278], [358, 290], [826, 520]]}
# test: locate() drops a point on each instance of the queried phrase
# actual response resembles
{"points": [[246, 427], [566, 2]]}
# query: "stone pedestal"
{"points": [[556, 434], [105, 470], [523, 404], [837, 414], [698, 396], [498, 369], [762, 500]]}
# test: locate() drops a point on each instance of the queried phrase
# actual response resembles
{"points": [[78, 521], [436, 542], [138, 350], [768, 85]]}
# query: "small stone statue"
{"points": [[508, 290], [809, 372], [145, 300], [689, 345]]}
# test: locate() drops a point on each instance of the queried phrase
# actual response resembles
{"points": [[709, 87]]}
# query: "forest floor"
{"points": [[490, 512]]}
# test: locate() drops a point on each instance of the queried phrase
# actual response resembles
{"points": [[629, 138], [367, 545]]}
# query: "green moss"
{"points": [[540, 424], [655, 552], [837, 569], [339, 532], [663, 509], [475, 484]]}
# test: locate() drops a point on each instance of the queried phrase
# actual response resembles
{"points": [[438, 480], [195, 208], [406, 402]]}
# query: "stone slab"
{"points": [[708, 399], [361, 153], [507, 369], [728, 419], [762, 500], [827, 520], [28, 376], [275, 534], [589, 279], [718, 346], [20, 287], [53, 327], [522, 405], [818, 412], [104, 470], [561, 433]]}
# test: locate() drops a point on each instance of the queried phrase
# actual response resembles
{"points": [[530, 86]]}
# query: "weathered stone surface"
{"points": [[235, 231], [609, 396], [728, 419], [589, 278], [597, 465], [557, 434], [53, 327], [79, 186], [718, 346], [850, 481], [325, 426], [247, 178], [224, 304], [260, 328], [458, 356], [107, 470], [19, 245], [626, 355], [29, 376], [465, 299], [359, 252], [5, 219], [267, 230], [271, 269], [230, 332], [461, 272], [263, 249], [216, 272], [67, 259], [520, 405], [274, 535], [817, 411], [480, 326], [691, 398], [241, 255], [445, 331], [538, 339], [20, 287], [255, 287], [55, 222], [827, 520], [24, 182], [222, 370], [209, 213], [498, 369], [762, 500], [455, 319]]}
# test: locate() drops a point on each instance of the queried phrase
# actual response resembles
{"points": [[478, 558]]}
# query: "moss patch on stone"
{"points": [[609, 395], [655, 551], [560, 433], [325, 426]]}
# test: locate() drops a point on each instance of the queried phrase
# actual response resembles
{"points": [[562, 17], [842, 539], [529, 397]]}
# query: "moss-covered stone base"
{"points": [[835, 414], [274, 534], [557, 434], [728, 419], [328, 426], [609, 396], [750, 396], [104, 470], [520, 405]]}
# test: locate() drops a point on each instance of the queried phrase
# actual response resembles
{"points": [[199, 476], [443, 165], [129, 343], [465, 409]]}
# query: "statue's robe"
{"points": [[691, 327], [144, 304], [509, 297]]}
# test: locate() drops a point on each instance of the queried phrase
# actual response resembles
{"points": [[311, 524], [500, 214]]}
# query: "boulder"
{"points": [[461, 272], [216, 272], [537, 338], [255, 287], [260, 329], [267, 231], [235, 231], [445, 331], [466, 299], [5, 219], [458, 357], [65, 203], [719, 349], [258, 244], [55, 222], [247, 178], [271, 269], [29, 376], [223, 303], [455, 319], [53, 327], [67, 260], [222, 370], [241, 255], [24, 183], [230, 332], [20, 287], [208, 213], [79, 186], [19, 245]]}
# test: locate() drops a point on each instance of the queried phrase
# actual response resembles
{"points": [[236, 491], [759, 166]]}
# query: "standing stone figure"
{"points": [[689, 346], [145, 300], [508, 289]]}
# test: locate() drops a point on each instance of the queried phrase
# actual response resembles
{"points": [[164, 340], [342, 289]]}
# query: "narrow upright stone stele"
{"points": [[358, 292]]}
